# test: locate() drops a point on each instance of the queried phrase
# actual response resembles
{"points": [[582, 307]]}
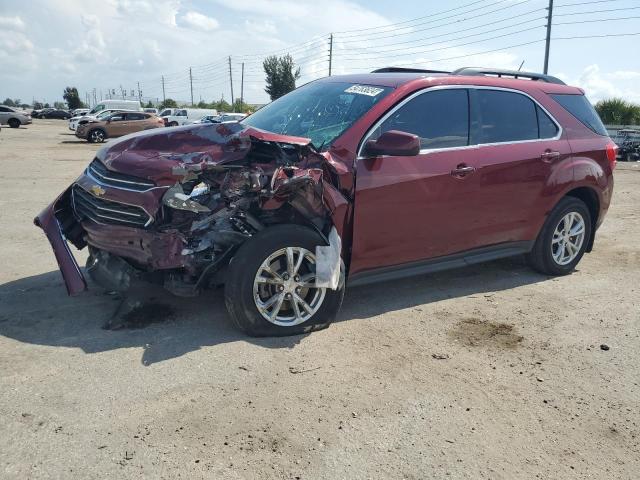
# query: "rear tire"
{"points": [[563, 239], [14, 123], [173, 124], [245, 288]]}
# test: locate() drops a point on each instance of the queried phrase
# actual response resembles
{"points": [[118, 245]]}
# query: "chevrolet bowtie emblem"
{"points": [[97, 190]]}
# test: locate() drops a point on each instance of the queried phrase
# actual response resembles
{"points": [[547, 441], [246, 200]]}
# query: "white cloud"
{"points": [[600, 85], [266, 27], [199, 21], [11, 23]]}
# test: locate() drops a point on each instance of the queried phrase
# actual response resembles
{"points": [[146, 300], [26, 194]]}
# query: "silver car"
{"points": [[12, 117]]}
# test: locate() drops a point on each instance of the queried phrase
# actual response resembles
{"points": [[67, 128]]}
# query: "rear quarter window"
{"points": [[580, 108]]}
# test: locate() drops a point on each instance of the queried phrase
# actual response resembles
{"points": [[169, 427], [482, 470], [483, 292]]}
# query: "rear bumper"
{"points": [[71, 274]]}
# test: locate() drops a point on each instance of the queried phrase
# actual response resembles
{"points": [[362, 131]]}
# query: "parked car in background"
{"points": [[151, 110], [167, 112], [59, 114], [182, 116], [79, 111], [39, 113], [75, 121], [221, 118], [368, 177], [116, 125], [13, 117], [133, 105]]}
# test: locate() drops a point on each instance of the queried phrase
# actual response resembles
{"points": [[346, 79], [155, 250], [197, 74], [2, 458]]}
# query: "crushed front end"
{"points": [[173, 206]]}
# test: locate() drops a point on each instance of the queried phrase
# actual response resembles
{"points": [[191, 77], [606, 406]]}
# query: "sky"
{"points": [[105, 45]]}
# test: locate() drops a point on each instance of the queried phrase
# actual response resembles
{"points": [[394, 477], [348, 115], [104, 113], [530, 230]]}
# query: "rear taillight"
{"points": [[612, 153]]}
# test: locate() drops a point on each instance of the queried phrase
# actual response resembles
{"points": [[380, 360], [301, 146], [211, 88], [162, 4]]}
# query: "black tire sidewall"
{"points": [[542, 249], [243, 268], [14, 123]]}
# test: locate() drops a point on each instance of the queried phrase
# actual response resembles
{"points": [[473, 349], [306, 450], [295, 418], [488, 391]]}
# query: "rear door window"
{"points": [[181, 113], [506, 117], [546, 127], [440, 118], [579, 107], [136, 116]]}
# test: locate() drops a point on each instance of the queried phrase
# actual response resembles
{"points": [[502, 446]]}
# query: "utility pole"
{"points": [[191, 83], [330, 52], [164, 98], [95, 99], [242, 86], [548, 43], [231, 79], [100, 94], [139, 93]]}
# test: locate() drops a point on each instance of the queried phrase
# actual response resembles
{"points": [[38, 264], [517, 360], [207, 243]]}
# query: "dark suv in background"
{"points": [[366, 178]]}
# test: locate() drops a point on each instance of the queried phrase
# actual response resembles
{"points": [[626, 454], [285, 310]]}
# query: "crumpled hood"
{"points": [[163, 154]]}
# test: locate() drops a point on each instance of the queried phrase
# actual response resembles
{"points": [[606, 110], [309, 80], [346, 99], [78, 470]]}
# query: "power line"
{"points": [[524, 14], [445, 48], [596, 20], [597, 11], [433, 20]]}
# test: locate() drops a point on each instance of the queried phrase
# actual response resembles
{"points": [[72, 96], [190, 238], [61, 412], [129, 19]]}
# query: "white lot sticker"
{"points": [[364, 90]]}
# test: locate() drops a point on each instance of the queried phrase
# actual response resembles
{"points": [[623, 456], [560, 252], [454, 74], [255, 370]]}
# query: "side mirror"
{"points": [[394, 143]]}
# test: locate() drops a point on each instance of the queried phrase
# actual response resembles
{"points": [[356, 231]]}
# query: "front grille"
{"points": [[99, 210], [119, 180]]}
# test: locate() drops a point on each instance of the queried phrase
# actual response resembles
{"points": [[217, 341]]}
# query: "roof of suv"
{"points": [[395, 79]]}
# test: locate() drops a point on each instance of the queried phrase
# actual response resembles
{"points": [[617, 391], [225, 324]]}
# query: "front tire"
{"points": [[270, 289], [14, 123], [96, 136], [563, 239]]}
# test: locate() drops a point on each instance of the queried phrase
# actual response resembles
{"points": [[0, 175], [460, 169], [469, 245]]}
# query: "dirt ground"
{"points": [[485, 372]]}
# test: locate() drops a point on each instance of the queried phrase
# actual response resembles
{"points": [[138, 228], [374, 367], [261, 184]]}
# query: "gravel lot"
{"points": [[486, 372]]}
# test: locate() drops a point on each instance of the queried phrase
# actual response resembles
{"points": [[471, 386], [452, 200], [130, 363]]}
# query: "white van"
{"points": [[182, 116], [133, 105]]}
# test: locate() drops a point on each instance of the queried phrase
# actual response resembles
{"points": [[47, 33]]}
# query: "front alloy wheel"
{"points": [[270, 286], [96, 136], [284, 288]]}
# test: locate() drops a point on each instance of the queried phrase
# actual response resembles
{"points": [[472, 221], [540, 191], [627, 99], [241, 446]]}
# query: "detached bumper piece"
{"points": [[53, 220]]}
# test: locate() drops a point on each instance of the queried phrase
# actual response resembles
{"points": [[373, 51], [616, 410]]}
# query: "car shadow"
{"points": [[36, 310]]}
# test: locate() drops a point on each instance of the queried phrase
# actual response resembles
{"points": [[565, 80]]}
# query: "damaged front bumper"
{"points": [[182, 226]]}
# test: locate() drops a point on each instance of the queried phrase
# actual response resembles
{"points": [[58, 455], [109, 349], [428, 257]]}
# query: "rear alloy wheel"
{"points": [[96, 136], [270, 287], [14, 123], [563, 238]]}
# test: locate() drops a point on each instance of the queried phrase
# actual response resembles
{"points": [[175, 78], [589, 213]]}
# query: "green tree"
{"points": [[72, 98], [240, 107], [149, 104], [8, 102], [46, 105], [169, 103], [37, 106], [202, 104], [281, 75], [221, 105], [616, 111], [59, 105]]}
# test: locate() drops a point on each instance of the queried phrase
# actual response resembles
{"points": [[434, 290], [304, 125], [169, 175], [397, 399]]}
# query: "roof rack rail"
{"points": [[406, 70], [507, 73]]}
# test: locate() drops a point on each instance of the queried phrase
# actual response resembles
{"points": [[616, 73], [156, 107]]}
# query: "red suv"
{"points": [[348, 179]]}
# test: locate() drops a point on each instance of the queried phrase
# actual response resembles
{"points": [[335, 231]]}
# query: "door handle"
{"points": [[462, 170], [550, 156]]}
